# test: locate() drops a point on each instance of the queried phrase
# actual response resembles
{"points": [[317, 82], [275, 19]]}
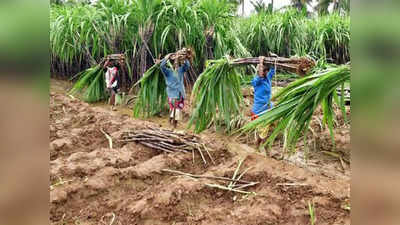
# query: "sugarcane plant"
{"points": [[143, 30], [291, 32], [297, 103], [329, 37], [280, 32]]}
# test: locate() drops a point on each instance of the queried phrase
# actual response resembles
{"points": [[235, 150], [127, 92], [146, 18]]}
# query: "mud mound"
{"points": [[92, 183]]}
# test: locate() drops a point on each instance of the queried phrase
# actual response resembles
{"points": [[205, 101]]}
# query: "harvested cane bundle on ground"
{"points": [[297, 103], [91, 83], [168, 141], [216, 95], [152, 94]]}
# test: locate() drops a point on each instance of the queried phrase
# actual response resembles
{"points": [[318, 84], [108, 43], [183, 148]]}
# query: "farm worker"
{"points": [[262, 96], [112, 81], [174, 79], [262, 90]]}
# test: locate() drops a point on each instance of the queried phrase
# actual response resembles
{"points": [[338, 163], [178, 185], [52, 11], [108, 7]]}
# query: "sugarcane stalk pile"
{"points": [[299, 65], [120, 57], [167, 141]]}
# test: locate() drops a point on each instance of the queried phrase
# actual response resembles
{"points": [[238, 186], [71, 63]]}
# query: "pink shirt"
{"points": [[111, 73]]}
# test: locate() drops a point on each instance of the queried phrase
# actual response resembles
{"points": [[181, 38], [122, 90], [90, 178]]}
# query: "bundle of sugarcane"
{"points": [[167, 141], [91, 81], [299, 65], [216, 95], [297, 103], [152, 94], [119, 57], [183, 54]]}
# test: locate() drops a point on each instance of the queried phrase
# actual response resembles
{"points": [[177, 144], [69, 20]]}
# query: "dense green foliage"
{"points": [[216, 96], [281, 33], [291, 33], [91, 83], [152, 97], [81, 34], [297, 103]]}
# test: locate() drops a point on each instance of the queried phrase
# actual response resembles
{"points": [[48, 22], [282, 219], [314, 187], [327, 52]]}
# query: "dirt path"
{"points": [[93, 184]]}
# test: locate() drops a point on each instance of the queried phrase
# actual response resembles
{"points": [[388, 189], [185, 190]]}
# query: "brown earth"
{"points": [[94, 184]]}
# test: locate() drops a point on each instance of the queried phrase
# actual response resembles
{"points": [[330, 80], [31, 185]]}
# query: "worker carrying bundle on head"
{"points": [[112, 80], [262, 89], [174, 79], [262, 95]]}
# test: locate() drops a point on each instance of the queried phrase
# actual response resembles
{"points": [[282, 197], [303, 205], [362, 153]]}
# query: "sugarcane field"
{"points": [[185, 112]]}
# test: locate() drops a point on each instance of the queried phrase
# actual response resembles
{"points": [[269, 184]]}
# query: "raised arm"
{"points": [[260, 72], [164, 67], [271, 73]]}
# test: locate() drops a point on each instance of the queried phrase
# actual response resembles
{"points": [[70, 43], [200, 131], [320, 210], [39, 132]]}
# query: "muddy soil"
{"points": [[92, 183]]}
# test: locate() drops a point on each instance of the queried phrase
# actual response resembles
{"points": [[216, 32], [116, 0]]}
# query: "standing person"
{"points": [[112, 81], [262, 89], [262, 95], [174, 79]]}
